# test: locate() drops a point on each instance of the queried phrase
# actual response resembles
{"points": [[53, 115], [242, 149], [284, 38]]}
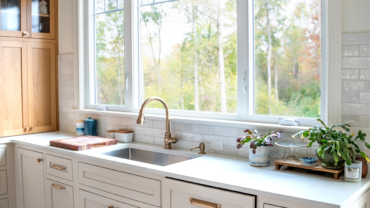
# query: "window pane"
{"points": [[109, 59], [287, 58], [99, 6], [110, 5], [188, 54], [121, 4]]}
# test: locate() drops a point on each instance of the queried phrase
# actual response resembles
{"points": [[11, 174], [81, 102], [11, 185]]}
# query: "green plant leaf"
{"points": [[364, 155], [335, 158]]}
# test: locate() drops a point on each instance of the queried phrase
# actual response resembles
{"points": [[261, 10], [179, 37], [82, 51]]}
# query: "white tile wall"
{"points": [[356, 80]]}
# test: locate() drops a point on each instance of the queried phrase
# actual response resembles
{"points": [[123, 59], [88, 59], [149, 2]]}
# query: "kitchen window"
{"points": [[107, 74], [260, 60]]}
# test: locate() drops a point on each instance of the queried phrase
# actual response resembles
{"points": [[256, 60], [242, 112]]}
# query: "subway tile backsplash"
{"points": [[221, 139], [356, 80]]}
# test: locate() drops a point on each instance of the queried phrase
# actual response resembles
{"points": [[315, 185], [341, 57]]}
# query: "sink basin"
{"points": [[145, 156]]}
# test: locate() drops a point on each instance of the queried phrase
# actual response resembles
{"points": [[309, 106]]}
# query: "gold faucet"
{"points": [[202, 148], [168, 140]]}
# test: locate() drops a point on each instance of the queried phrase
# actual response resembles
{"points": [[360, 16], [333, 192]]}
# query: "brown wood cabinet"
{"points": [[28, 66], [28, 18], [27, 88]]}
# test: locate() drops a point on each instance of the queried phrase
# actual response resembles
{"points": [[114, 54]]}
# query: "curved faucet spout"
{"points": [[141, 120]]}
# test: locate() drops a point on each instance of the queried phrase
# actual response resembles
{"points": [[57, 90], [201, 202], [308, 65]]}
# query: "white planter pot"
{"points": [[261, 158]]}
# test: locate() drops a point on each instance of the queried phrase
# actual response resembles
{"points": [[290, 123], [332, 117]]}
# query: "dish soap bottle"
{"points": [[90, 127]]}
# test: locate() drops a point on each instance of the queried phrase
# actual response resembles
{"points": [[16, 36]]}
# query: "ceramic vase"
{"points": [[328, 161], [261, 158]]}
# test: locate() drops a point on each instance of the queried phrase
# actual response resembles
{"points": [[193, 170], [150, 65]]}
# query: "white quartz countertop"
{"points": [[227, 172]]}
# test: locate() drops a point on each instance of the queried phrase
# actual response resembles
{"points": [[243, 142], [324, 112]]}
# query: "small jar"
{"points": [[91, 127], [80, 128], [110, 134], [353, 173]]}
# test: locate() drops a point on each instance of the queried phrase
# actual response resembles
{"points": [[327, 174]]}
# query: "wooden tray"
{"points": [[291, 162], [83, 143]]}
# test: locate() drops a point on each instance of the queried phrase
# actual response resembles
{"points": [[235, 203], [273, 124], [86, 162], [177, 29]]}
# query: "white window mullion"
{"points": [[129, 54], [243, 61]]}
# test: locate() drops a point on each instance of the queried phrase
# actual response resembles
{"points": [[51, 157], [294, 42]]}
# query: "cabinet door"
{"points": [[32, 179], [41, 87], [4, 203], [13, 18], [89, 200], [42, 19], [58, 195], [13, 88]]}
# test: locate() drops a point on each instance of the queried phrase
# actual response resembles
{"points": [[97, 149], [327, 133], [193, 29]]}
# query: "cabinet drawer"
{"points": [[3, 182], [4, 203], [59, 167], [90, 200], [186, 195], [58, 195], [122, 184]]}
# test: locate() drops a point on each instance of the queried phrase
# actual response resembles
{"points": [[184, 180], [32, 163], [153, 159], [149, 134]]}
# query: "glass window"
{"points": [[109, 74], [287, 58], [188, 54]]}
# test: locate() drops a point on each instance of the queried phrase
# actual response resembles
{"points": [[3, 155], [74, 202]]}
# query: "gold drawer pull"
{"points": [[58, 168], [58, 187], [204, 204], [111, 207]]}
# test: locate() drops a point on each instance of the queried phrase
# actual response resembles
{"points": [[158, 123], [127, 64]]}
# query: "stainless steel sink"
{"points": [[145, 156]]}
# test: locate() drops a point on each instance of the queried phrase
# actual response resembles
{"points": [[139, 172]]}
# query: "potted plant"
{"points": [[259, 146], [335, 147]]}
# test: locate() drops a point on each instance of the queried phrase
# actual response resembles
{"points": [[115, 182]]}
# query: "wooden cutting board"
{"points": [[82, 143]]}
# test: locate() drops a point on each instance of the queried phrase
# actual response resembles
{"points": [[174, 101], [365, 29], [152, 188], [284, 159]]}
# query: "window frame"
{"points": [[244, 102]]}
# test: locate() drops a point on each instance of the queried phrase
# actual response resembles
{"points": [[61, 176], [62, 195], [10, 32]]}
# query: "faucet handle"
{"points": [[202, 148]]}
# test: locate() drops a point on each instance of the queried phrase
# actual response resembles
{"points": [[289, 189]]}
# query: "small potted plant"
{"points": [[335, 147], [259, 146]]}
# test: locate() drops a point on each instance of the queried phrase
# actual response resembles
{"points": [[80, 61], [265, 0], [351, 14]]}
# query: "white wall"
{"points": [[66, 41], [355, 16]]}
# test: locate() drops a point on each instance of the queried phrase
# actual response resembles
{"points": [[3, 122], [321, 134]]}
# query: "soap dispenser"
{"points": [[90, 127]]}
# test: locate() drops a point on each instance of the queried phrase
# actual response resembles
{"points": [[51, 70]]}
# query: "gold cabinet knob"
{"points": [[111, 207], [30, 129], [25, 34], [39, 160]]}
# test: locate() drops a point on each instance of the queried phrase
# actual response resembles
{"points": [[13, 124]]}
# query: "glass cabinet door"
{"points": [[13, 18], [43, 21]]}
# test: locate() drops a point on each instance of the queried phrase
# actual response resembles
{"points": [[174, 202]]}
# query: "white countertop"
{"points": [[225, 172]]}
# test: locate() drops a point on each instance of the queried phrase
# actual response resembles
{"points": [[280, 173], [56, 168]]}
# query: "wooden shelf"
{"points": [[291, 162], [41, 15]]}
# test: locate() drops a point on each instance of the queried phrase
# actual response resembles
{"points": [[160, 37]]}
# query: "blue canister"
{"points": [[90, 127]]}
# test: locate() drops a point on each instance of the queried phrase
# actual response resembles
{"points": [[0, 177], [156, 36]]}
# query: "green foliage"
{"points": [[336, 142], [169, 73], [255, 140]]}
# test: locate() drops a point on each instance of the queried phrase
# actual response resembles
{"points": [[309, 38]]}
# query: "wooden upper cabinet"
{"points": [[28, 18], [13, 18], [41, 87], [13, 88], [41, 18]]}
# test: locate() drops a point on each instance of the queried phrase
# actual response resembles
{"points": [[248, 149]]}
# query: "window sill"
{"points": [[216, 122]]}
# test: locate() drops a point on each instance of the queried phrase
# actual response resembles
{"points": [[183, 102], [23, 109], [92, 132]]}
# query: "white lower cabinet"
{"points": [[177, 194], [4, 203], [31, 167], [58, 195], [3, 182], [90, 200]]}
